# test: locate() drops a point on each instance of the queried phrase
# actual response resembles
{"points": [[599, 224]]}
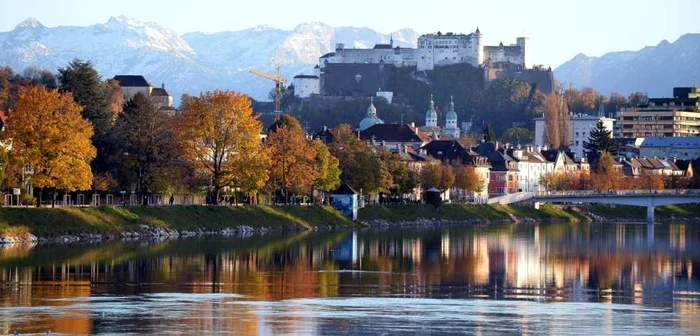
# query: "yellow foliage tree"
{"points": [[49, 134], [220, 134], [292, 167]]}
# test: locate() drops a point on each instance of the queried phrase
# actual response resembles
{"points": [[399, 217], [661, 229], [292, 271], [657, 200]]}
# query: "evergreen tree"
{"points": [[83, 81], [600, 140], [489, 134]]}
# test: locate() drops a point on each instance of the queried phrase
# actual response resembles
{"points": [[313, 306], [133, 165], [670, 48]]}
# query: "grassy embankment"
{"points": [[47, 222], [458, 212], [547, 212]]}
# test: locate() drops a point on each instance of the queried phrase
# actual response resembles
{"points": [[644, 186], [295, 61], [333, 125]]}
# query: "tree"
{"points": [[83, 81], [467, 179], [144, 142], [360, 167], [292, 164], [551, 120], [221, 136], [605, 176], [115, 97], [326, 167], [489, 134], [637, 98], [50, 135], [394, 173], [517, 134], [600, 140], [616, 102], [437, 175]]}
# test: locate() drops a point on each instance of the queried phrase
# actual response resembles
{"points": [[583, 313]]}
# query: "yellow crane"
{"points": [[279, 84]]}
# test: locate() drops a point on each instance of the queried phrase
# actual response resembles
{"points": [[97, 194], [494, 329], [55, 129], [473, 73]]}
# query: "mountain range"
{"points": [[188, 63], [654, 70], [196, 62]]}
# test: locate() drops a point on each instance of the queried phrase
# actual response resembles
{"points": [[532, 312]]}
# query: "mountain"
{"points": [[654, 70], [189, 63]]}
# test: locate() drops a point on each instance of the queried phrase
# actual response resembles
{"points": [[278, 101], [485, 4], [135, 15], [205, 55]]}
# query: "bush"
{"points": [[27, 199]]}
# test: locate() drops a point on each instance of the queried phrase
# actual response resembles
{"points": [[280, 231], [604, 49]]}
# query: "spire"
{"points": [[452, 103], [601, 108], [432, 103], [371, 110], [391, 40], [477, 30]]}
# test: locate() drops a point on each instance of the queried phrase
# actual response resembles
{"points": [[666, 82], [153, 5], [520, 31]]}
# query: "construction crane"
{"points": [[279, 84]]}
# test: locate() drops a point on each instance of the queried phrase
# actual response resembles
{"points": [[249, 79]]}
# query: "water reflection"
{"points": [[263, 284]]}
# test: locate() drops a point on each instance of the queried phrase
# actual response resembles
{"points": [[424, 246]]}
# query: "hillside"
{"points": [[188, 63], [655, 70]]}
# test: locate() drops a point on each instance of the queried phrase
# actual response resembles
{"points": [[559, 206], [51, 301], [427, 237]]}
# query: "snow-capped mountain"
{"points": [[654, 70], [190, 63]]}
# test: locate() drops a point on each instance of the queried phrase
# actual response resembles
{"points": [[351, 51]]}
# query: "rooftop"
{"points": [[675, 142], [132, 81]]}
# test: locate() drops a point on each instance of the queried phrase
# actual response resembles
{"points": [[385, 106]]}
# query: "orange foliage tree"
{"points": [[50, 135], [221, 136]]}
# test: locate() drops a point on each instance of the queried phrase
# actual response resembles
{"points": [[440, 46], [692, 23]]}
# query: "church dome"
{"points": [[371, 119]]}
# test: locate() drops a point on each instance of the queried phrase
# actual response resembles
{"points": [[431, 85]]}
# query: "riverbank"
{"points": [[22, 225], [410, 215], [75, 224]]}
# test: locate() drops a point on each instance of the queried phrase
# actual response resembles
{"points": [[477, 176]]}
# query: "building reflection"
{"points": [[558, 262]]}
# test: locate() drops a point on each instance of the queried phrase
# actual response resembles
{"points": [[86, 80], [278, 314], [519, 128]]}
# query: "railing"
{"points": [[613, 193]]}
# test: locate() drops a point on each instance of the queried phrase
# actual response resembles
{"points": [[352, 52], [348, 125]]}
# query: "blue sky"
{"points": [[558, 29]]}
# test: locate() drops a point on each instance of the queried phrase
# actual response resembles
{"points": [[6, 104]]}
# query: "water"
{"points": [[619, 279]]}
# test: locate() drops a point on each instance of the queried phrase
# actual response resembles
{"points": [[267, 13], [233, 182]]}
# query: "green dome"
{"points": [[430, 113]]}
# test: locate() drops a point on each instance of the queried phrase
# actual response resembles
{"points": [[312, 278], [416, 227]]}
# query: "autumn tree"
{"points": [[605, 176], [616, 102], [637, 98], [360, 167], [649, 181], [50, 135], [517, 134], [395, 179], [144, 147], [467, 179], [327, 168], [292, 164], [552, 115], [437, 175], [221, 136]]}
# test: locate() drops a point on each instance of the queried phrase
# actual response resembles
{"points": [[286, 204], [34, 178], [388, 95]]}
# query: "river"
{"points": [[619, 279]]}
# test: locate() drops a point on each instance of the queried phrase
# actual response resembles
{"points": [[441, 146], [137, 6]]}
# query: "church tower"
{"points": [[451, 121], [430, 114]]}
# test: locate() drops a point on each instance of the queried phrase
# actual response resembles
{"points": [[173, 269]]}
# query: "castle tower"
{"points": [[524, 47], [479, 46], [430, 114], [451, 121]]}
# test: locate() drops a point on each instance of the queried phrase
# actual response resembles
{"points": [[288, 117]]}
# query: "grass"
{"points": [[636, 212], [457, 212], [47, 222]]}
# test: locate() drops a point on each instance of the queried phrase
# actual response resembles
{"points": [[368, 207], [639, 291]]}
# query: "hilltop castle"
{"points": [[435, 50]]}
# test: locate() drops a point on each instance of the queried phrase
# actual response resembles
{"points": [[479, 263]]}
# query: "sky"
{"points": [[558, 29]]}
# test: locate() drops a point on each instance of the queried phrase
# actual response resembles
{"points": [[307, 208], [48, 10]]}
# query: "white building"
{"points": [[581, 126], [532, 165], [306, 85], [434, 50], [133, 84]]}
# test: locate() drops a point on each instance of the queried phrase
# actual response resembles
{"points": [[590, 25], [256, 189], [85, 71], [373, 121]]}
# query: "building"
{"points": [[581, 126], [663, 117], [306, 85], [435, 50], [133, 84], [532, 166], [394, 137], [371, 118], [682, 148]]}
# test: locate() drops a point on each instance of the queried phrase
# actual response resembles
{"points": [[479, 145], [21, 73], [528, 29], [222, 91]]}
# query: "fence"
{"points": [[92, 200]]}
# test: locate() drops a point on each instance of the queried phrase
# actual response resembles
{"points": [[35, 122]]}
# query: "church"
{"points": [[450, 130]]}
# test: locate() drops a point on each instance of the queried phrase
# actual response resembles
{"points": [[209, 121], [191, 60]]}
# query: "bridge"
{"points": [[647, 198]]}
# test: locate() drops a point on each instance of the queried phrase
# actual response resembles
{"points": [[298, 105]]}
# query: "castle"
{"points": [[435, 50]]}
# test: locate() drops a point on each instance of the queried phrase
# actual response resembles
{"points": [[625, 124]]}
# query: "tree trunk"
{"points": [[53, 198], [38, 200], [217, 190]]}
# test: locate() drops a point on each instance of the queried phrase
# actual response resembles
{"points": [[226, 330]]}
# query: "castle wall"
{"points": [[503, 54]]}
